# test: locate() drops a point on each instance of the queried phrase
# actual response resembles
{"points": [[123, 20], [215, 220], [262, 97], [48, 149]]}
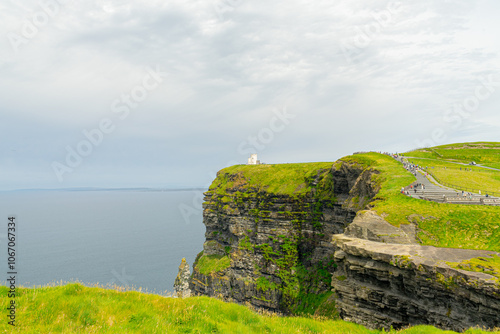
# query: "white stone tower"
{"points": [[253, 160]]}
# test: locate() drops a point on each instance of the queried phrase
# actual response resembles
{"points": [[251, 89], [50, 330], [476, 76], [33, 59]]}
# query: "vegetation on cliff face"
{"points": [[490, 266], [74, 308], [208, 264], [246, 210]]}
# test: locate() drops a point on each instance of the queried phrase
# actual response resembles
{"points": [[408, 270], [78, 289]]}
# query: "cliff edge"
{"points": [[272, 227]]}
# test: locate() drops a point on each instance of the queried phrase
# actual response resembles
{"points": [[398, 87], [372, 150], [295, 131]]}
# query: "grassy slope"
{"points": [[485, 153], [207, 264], [489, 266], [442, 225], [475, 177], [74, 308]]}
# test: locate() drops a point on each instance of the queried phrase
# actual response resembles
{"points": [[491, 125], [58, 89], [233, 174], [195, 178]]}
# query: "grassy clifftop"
{"points": [[485, 153], [447, 164], [280, 179], [74, 308]]}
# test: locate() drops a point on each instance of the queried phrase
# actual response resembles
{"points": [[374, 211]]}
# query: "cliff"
{"points": [[272, 225], [313, 238], [383, 285]]}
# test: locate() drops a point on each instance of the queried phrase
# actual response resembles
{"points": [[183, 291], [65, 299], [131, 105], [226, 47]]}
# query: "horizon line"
{"points": [[159, 189]]}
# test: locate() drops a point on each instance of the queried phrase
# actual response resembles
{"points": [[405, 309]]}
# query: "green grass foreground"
{"points": [[74, 308]]}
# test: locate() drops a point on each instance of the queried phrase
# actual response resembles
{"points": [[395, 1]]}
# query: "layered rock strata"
{"points": [[279, 245], [382, 285]]}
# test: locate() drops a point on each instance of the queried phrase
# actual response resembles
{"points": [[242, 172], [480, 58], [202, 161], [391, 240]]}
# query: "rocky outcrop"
{"points": [[383, 285], [354, 187], [370, 226], [181, 284]]}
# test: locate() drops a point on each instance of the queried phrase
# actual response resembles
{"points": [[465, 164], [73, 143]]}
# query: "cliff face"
{"points": [[388, 285], [279, 244]]}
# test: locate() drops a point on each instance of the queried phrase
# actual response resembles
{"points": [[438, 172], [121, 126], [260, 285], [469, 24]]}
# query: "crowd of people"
{"points": [[414, 169]]}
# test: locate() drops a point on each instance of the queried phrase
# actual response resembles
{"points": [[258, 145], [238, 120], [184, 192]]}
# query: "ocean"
{"points": [[134, 239]]}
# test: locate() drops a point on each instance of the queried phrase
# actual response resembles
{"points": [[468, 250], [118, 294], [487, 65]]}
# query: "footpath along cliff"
{"points": [[306, 238]]}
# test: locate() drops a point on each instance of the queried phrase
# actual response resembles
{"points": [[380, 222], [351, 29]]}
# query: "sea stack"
{"points": [[181, 284]]}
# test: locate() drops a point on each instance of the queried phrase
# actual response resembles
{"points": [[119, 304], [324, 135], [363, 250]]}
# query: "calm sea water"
{"points": [[129, 238]]}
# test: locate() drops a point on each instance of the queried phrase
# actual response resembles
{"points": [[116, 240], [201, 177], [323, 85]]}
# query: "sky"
{"points": [[164, 94]]}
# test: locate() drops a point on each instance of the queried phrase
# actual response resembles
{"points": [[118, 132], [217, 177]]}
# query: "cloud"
{"points": [[372, 74]]}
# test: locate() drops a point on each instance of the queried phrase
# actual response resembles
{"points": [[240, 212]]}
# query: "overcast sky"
{"points": [[165, 93]]}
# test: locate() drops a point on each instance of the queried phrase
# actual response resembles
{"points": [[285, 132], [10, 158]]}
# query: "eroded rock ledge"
{"points": [[381, 285]]}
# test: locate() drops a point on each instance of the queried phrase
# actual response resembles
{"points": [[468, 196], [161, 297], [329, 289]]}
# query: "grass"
{"points": [[208, 264], [485, 153], [314, 303], [74, 308], [280, 179], [486, 180], [486, 265]]}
